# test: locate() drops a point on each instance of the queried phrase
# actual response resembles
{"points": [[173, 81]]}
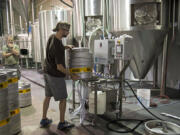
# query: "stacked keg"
{"points": [[13, 99], [24, 94], [81, 62], [4, 110]]}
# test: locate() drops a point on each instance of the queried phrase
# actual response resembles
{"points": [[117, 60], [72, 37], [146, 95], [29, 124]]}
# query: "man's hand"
{"points": [[15, 52], [69, 46], [74, 77], [61, 68]]}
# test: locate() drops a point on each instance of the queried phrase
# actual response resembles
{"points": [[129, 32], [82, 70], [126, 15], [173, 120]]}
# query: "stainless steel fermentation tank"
{"points": [[93, 7], [87, 16], [36, 47], [25, 42], [78, 14], [47, 21], [147, 22]]}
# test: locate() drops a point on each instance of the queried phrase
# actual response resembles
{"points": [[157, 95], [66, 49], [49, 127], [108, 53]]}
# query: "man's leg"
{"points": [[45, 107], [62, 109], [45, 122], [63, 124]]}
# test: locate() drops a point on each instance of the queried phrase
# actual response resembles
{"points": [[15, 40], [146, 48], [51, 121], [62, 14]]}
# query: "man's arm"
{"points": [[5, 54], [61, 68]]}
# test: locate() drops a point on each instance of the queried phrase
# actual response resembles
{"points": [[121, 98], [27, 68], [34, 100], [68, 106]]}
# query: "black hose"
{"points": [[115, 122], [33, 81], [131, 120], [66, 4], [141, 102]]}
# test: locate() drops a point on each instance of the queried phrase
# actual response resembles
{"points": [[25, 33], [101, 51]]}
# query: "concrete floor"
{"points": [[31, 116]]}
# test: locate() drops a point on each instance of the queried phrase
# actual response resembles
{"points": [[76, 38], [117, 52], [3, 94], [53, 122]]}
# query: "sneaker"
{"points": [[64, 125], [45, 122]]}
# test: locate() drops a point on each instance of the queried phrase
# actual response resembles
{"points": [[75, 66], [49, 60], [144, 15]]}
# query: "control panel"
{"points": [[123, 49], [103, 51], [108, 50]]}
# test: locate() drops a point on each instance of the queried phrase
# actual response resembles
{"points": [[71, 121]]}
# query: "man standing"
{"points": [[55, 73], [11, 55]]}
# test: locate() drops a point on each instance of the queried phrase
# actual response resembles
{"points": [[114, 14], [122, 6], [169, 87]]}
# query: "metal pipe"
{"points": [[104, 18], [120, 91], [20, 23], [73, 98], [95, 99], [84, 24], [12, 18], [174, 13], [7, 17], [178, 15], [155, 74], [107, 15], [32, 4], [165, 55], [171, 116], [164, 66], [1, 23], [169, 19]]}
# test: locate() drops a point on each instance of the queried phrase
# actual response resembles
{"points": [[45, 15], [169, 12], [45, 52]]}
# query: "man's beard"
{"points": [[64, 36]]}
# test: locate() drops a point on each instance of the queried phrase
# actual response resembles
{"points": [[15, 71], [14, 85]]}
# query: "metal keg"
{"points": [[24, 94], [81, 62], [12, 89], [158, 127], [4, 110], [13, 101], [15, 122]]}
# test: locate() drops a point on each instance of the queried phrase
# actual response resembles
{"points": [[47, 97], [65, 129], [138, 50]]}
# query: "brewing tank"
{"points": [[147, 22], [93, 7], [36, 42], [78, 14], [129, 15], [25, 42], [47, 22], [86, 14]]}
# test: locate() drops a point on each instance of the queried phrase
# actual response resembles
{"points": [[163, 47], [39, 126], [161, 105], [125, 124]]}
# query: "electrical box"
{"points": [[103, 51], [123, 49]]}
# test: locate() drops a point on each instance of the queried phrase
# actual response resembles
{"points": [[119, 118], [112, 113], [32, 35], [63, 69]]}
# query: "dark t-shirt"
{"points": [[55, 54]]}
